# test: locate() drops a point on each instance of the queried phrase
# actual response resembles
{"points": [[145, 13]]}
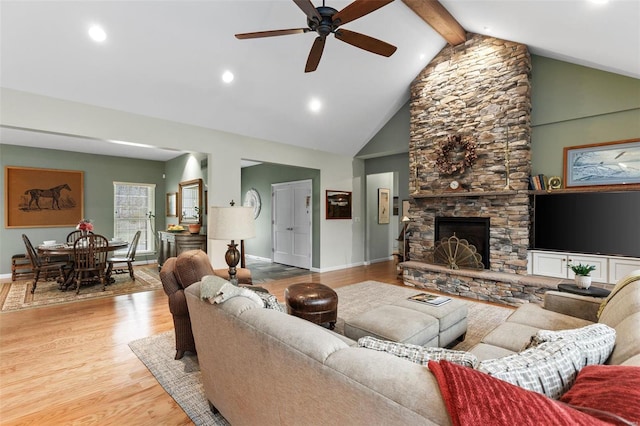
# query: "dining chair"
{"points": [[128, 259], [90, 260], [74, 235], [42, 264]]}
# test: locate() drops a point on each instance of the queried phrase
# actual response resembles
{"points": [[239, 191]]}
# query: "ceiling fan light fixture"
{"points": [[315, 105], [97, 33], [227, 76]]}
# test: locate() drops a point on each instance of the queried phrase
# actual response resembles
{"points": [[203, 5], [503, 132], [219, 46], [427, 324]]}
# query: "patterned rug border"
{"points": [[181, 379], [16, 295]]}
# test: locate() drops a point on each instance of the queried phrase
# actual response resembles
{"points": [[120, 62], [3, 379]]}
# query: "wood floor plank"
{"points": [[70, 364]]}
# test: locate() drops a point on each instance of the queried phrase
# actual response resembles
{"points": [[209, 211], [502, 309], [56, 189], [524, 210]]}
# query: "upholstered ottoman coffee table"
{"points": [[395, 323], [452, 318], [412, 322], [314, 302]]}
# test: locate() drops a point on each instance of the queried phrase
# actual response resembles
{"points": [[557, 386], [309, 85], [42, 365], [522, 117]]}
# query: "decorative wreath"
{"points": [[456, 143]]}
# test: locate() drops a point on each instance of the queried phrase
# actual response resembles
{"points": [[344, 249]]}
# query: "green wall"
{"points": [[574, 105], [183, 168], [571, 105], [99, 174], [261, 177]]}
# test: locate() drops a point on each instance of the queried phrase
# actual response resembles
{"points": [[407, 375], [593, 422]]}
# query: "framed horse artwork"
{"points": [[42, 197]]}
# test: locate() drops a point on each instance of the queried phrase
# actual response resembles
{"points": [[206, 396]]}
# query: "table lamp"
{"points": [[231, 223]]}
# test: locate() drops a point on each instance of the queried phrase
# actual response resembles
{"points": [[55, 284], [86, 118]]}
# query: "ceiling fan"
{"points": [[326, 20]]}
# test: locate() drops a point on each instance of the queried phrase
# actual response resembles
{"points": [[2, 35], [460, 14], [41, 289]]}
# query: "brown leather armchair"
{"points": [[180, 272]]}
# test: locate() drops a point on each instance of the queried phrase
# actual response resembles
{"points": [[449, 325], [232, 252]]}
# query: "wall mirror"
{"points": [[190, 201]]}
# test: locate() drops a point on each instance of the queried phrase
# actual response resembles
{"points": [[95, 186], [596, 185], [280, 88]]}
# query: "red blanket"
{"points": [[475, 398]]}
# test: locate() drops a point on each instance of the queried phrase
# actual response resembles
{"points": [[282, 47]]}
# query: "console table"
{"points": [[172, 244]]}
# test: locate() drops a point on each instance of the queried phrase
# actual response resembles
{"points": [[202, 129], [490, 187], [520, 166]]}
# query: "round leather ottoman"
{"points": [[314, 302]]}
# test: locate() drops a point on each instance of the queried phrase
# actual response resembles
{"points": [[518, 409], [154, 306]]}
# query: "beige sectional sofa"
{"points": [[261, 366]]}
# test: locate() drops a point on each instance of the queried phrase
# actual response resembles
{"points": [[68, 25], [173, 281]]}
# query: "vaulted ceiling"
{"points": [[165, 59]]}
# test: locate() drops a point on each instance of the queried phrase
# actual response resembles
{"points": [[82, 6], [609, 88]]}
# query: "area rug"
{"points": [[181, 378], [17, 295]]}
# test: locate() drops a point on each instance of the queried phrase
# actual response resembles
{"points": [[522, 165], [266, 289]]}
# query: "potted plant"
{"points": [[194, 228], [582, 278]]}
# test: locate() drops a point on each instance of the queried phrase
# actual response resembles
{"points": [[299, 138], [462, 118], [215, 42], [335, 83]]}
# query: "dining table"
{"points": [[66, 249]]}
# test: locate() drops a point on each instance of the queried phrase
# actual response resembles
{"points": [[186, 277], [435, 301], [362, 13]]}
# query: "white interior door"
{"points": [[291, 223]]}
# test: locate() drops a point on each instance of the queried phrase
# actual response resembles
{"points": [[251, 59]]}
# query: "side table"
{"points": [[591, 291]]}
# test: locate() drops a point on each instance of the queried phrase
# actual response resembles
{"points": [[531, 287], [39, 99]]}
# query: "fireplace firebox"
{"points": [[473, 229]]}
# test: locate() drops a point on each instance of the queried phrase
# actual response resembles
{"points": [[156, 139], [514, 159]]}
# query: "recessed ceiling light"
{"points": [[227, 77], [599, 1], [97, 33], [315, 105]]}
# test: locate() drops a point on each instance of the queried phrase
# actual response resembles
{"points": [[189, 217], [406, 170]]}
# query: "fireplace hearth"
{"points": [[473, 229]]}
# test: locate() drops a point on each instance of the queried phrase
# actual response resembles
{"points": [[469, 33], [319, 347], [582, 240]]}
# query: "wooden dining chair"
{"points": [[41, 264], [74, 235], [90, 260], [128, 259]]}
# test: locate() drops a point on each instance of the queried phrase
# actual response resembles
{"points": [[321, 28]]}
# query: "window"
{"points": [[133, 202]]}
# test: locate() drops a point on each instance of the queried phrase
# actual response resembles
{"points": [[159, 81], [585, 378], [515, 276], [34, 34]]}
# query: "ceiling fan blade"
{"points": [[358, 9], [314, 56], [272, 33], [365, 42], [309, 9]]}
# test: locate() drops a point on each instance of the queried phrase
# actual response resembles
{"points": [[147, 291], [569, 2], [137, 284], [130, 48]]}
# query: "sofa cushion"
{"points": [[511, 336], [550, 368], [536, 316], [605, 391], [484, 351], [596, 341], [418, 354], [474, 398]]}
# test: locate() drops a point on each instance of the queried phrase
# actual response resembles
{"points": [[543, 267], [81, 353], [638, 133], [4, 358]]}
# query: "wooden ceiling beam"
{"points": [[439, 18]]}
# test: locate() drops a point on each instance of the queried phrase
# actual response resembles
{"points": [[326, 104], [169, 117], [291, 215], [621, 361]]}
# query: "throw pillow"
{"points": [[418, 354], [210, 286], [607, 392], [269, 300], [474, 398], [550, 368], [596, 341]]}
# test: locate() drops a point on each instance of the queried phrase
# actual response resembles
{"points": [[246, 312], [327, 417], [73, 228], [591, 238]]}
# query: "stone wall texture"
{"points": [[480, 90]]}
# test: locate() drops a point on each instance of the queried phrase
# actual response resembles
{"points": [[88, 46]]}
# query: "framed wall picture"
{"points": [[610, 164], [172, 204], [338, 204], [39, 198], [384, 206]]}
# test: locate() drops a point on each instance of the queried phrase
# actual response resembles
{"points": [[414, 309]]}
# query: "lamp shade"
{"points": [[405, 219], [231, 223]]}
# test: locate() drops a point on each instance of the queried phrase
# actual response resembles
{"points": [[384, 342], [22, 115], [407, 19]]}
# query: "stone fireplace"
{"points": [[479, 90]]}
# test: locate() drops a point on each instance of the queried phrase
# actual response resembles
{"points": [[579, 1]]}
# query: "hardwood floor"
{"points": [[70, 364]]}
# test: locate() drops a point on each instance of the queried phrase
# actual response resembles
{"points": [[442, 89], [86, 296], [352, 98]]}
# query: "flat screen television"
{"points": [[605, 223]]}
